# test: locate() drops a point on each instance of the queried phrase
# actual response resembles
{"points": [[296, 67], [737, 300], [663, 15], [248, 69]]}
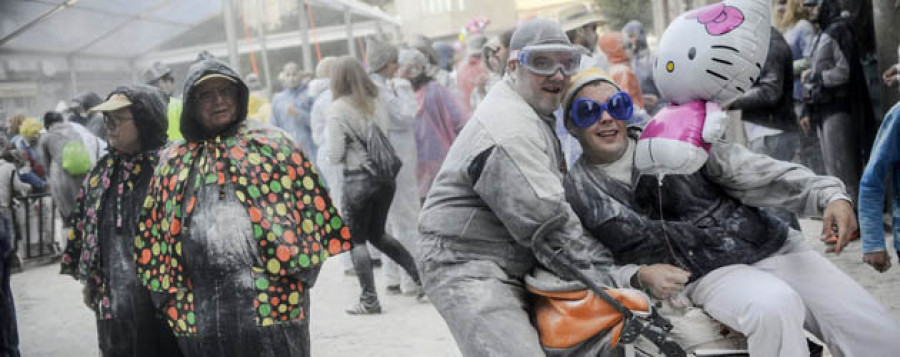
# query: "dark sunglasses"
{"points": [[585, 112]]}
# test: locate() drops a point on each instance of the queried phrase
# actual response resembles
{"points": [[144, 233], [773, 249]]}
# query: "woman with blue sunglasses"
{"points": [[705, 239], [599, 125]]}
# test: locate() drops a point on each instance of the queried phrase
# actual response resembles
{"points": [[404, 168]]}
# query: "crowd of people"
{"points": [[485, 177]]}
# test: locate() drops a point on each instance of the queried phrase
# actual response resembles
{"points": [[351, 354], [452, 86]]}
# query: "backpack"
{"points": [[382, 162], [76, 160]]}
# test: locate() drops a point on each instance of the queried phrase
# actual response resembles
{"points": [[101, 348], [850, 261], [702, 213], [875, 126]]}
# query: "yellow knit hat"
{"points": [[580, 80], [31, 128]]}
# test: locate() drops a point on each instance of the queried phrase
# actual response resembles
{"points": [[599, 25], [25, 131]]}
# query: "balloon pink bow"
{"points": [[682, 123], [719, 18]]}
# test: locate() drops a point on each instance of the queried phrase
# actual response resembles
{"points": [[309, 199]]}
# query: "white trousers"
{"points": [[403, 217], [772, 301]]}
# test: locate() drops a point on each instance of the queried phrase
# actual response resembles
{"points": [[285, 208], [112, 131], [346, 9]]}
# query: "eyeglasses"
{"points": [[209, 96], [585, 112], [546, 60], [112, 121]]}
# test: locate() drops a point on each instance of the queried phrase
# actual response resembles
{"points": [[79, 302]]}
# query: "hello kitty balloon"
{"points": [[707, 57]]}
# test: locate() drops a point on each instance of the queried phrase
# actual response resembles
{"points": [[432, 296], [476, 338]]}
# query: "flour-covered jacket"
{"points": [[723, 231], [499, 197], [400, 101], [290, 112], [346, 127]]}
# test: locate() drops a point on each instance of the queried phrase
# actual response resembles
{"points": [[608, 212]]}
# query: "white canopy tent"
{"points": [[128, 33]]}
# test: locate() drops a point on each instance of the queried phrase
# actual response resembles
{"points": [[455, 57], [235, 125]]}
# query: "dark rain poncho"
{"points": [[100, 246], [233, 232]]}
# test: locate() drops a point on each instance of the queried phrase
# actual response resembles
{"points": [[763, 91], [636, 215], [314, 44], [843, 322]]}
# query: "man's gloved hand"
{"points": [[662, 281], [878, 260], [716, 123]]}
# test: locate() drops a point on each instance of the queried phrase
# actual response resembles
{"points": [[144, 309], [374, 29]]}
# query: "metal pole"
{"points": [[53, 219], [26, 202], [234, 58], [73, 78], [264, 52], [42, 100], [135, 76], [41, 227], [379, 31], [398, 34], [304, 37], [348, 22]]}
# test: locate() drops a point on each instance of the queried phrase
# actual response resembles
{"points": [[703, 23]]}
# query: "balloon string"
{"points": [[659, 179]]}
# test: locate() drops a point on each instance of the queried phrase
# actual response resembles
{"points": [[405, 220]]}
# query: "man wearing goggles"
{"points": [[541, 72], [545, 60], [497, 207]]}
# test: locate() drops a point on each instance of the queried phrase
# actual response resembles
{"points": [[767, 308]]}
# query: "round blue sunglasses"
{"points": [[585, 112]]}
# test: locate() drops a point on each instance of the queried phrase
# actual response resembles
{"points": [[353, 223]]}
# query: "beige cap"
{"points": [[213, 75], [115, 102], [577, 15], [580, 80]]}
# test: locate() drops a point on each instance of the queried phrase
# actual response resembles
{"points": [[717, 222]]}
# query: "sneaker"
{"points": [[393, 289], [362, 309], [419, 293], [422, 298], [815, 349]]}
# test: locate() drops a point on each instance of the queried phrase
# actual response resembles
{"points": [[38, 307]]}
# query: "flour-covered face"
{"points": [[291, 76], [543, 93], [714, 53], [605, 140]]}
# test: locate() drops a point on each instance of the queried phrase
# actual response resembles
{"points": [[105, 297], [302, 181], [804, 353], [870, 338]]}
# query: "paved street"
{"points": [[53, 321]]}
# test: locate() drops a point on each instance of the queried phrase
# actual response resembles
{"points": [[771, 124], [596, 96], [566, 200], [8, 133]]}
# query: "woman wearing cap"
{"points": [[100, 248], [705, 239], [235, 227]]}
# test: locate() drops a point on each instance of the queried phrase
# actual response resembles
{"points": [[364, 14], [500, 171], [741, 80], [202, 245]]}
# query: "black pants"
{"points": [[9, 336], [840, 148], [366, 205]]}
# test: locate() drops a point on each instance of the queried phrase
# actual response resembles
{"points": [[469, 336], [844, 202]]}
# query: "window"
{"points": [[434, 7]]}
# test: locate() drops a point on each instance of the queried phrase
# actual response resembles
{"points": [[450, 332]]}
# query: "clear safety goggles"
{"points": [[546, 60], [585, 112]]}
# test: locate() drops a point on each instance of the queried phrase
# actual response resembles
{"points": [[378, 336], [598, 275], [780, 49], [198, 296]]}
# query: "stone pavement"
{"points": [[54, 322]]}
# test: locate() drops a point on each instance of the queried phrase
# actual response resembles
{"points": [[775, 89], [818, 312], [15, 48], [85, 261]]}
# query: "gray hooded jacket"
{"points": [[499, 197]]}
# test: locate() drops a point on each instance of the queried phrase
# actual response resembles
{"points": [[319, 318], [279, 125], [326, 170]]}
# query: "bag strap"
{"points": [[364, 143]]}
